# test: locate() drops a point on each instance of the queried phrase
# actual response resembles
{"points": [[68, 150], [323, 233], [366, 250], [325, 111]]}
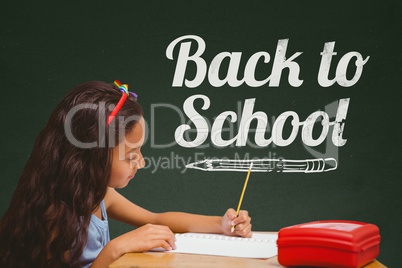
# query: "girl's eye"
{"points": [[133, 157]]}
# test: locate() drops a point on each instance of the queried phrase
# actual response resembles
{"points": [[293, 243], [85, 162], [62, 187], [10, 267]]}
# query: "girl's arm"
{"points": [[142, 239], [156, 228], [121, 209]]}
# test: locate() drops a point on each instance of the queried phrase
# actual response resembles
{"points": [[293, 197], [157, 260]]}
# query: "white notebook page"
{"points": [[259, 246]]}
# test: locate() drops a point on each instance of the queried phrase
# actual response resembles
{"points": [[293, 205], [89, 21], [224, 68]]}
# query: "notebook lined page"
{"points": [[259, 246]]}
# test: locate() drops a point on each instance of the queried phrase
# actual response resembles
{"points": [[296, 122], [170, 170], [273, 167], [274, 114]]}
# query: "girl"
{"points": [[58, 214]]}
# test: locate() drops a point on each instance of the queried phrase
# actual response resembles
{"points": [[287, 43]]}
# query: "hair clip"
{"points": [[122, 87], [125, 93]]}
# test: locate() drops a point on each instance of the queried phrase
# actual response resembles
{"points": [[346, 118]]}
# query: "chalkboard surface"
{"points": [[289, 81]]}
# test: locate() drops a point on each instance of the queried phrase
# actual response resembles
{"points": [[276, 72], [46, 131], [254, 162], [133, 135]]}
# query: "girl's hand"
{"points": [[145, 238], [242, 223]]}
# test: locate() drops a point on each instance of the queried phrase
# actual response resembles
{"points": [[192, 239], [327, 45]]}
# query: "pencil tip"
{"points": [[191, 165]]}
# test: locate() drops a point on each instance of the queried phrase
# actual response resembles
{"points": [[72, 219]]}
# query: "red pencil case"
{"points": [[336, 243]]}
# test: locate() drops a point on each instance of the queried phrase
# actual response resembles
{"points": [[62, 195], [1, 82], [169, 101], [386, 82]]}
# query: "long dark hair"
{"points": [[62, 182]]}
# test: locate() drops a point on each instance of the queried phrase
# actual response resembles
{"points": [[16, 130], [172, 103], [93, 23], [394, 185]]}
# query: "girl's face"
{"points": [[127, 157]]}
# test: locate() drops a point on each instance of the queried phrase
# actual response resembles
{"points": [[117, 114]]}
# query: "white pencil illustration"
{"points": [[266, 165]]}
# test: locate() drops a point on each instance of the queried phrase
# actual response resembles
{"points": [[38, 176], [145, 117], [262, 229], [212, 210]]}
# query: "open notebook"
{"points": [[259, 246]]}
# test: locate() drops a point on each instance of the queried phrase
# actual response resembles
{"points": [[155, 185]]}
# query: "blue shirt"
{"points": [[98, 237]]}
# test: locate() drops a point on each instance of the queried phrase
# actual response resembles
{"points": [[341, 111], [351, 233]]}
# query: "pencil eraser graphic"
{"points": [[330, 164]]}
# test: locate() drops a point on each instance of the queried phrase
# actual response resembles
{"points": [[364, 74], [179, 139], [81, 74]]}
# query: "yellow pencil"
{"points": [[242, 194]]}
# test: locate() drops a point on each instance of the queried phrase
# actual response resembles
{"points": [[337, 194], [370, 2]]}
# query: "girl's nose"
{"points": [[140, 161]]}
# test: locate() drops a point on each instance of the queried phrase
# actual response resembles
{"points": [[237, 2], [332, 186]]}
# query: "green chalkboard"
{"points": [[320, 78]]}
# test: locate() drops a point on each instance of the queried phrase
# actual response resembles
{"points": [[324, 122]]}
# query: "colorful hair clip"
{"points": [[125, 93]]}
